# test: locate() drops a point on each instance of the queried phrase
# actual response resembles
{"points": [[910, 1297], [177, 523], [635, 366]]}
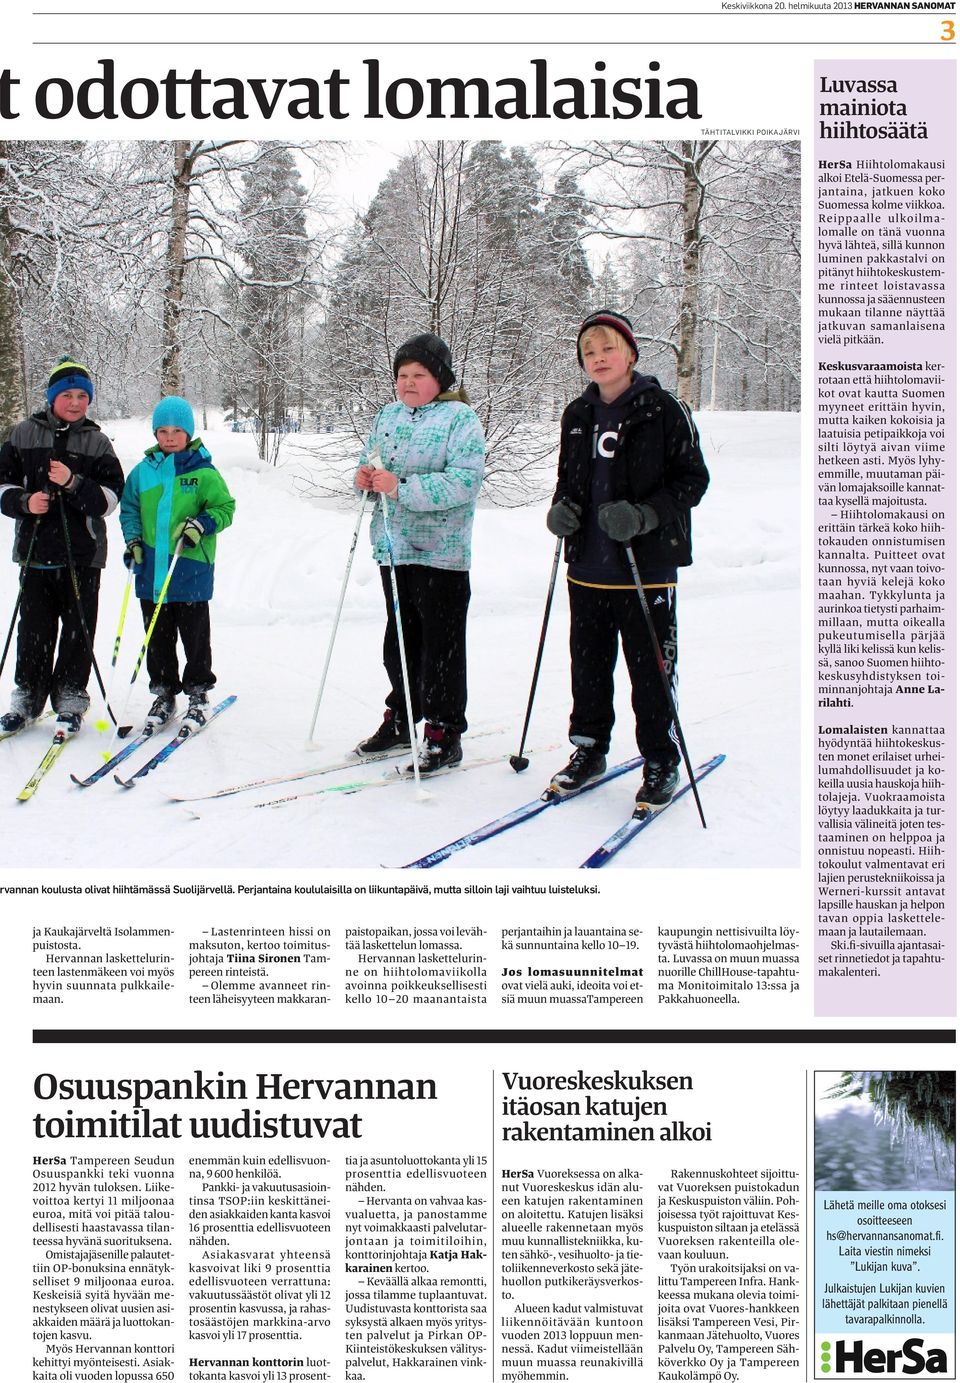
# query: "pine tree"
{"points": [[276, 258], [12, 401]]}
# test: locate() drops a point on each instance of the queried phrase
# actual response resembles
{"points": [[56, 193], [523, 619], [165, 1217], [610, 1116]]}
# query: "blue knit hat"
{"points": [[173, 411], [68, 374]]}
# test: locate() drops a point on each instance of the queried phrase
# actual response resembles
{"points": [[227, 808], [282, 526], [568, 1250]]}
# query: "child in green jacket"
{"points": [[175, 496]]}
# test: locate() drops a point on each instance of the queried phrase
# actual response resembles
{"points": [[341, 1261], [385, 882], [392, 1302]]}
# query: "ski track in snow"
{"points": [[278, 579]]}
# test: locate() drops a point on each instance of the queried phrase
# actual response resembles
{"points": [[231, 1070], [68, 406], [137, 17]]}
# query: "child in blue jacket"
{"points": [[176, 496]]}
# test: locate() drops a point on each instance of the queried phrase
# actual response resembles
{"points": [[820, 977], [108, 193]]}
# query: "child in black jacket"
{"points": [[59, 479], [630, 471]]}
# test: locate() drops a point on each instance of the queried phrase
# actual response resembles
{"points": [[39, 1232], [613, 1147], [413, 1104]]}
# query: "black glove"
{"points": [[563, 518], [622, 520], [133, 554]]}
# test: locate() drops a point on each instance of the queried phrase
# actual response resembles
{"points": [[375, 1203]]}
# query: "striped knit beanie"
{"points": [[68, 374], [615, 321]]}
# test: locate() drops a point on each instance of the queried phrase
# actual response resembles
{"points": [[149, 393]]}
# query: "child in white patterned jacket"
{"points": [[426, 454]]}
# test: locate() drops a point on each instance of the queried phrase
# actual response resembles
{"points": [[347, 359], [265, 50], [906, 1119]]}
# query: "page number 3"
{"points": [[948, 31]]}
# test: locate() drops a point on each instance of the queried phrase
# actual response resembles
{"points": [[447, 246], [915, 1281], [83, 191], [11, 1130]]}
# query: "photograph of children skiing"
{"points": [[366, 504]]}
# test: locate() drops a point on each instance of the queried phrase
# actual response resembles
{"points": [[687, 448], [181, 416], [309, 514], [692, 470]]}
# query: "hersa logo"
{"points": [[852, 1357]]}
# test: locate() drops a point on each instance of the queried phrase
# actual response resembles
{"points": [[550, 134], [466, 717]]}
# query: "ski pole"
{"points": [[364, 494], [120, 730], [156, 610], [150, 628], [662, 668], [23, 578], [517, 761], [403, 652], [119, 634]]}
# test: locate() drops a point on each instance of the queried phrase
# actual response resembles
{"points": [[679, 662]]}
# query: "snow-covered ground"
{"points": [[278, 579]]}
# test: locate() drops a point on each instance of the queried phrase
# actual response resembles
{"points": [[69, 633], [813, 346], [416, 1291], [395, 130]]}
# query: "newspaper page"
{"points": [[335, 1066]]}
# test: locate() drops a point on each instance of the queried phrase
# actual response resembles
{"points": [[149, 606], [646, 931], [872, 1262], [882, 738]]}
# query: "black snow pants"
{"points": [[601, 618], [433, 611]]}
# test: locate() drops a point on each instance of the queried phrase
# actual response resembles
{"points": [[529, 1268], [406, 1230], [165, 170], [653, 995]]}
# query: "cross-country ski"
{"points": [[60, 741], [129, 748], [183, 736], [385, 780], [346, 761], [28, 725], [352, 759], [548, 798], [644, 814]]}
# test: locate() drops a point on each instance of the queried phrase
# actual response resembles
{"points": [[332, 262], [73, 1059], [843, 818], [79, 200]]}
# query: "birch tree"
{"points": [[202, 200], [708, 234], [12, 393]]}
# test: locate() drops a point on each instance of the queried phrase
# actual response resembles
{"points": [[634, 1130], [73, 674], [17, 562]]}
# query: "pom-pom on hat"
{"points": [[173, 411], [68, 374], [433, 353], [615, 321]]}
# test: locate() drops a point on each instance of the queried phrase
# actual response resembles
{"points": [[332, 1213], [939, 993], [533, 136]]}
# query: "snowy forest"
{"points": [[238, 274]]}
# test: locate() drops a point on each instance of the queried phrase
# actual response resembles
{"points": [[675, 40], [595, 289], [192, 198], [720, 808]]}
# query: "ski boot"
{"points": [[659, 784], [586, 764], [196, 714], [441, 748], [392, 733]]}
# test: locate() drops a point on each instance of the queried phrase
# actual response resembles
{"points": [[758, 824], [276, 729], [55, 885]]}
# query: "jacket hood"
{"points": [[190, 459], [448, 396], [458, 395]]}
